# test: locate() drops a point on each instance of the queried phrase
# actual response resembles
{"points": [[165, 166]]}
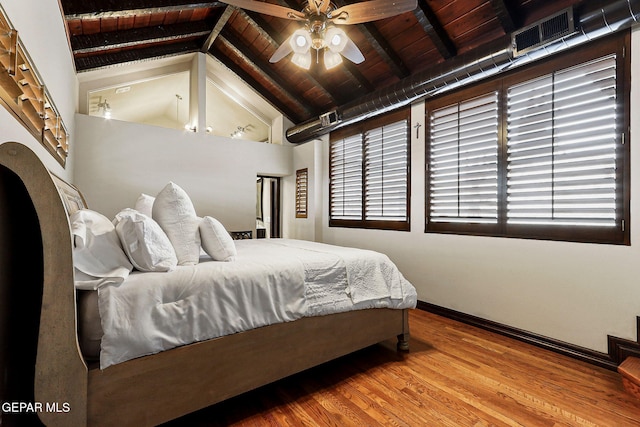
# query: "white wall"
{"points": [[574, 292], [41, 29], [308, 155], [116, 161]]}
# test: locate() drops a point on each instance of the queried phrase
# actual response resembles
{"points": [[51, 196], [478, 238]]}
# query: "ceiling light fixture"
{"points": [[320, 31], [322, 37], [240, 131], [104, 108]]}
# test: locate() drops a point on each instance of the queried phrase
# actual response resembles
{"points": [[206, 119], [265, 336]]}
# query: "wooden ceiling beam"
{"points": [[236, 68], [248, 79], [262, 69], [381, 46], [509, 19], [434, 30], [217, 29], [82, 9], [106, 60], [384, 49], [81, 44]]}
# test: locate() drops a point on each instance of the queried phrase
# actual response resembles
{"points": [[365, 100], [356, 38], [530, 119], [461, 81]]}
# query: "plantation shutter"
{"points": [[385, 174], [346, 178], [561, 143], [463, 162], [302, 184]]}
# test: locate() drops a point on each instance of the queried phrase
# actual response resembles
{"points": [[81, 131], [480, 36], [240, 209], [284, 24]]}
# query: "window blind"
{"points": [[302, 184], [561, 147], [385, 172], [463, 163], [369, 174], [346, 178]]}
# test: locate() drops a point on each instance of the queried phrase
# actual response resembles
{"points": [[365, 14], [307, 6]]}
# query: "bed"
{"points": [[152, 386]]}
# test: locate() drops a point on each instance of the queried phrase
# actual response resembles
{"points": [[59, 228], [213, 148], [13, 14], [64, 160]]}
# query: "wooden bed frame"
{"points": [[149, 390]]}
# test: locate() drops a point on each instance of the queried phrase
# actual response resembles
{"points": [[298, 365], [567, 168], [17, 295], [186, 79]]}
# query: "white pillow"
{"points": [[97, 251], [144, 204], [175, 213], [144, 242], [216, 241]]}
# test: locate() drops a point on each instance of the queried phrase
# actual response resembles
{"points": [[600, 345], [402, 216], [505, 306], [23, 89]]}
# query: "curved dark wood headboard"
{"points": [[60, 371]]}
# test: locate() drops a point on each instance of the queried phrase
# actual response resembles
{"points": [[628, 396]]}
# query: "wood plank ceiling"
{"points": [[105, 33]]}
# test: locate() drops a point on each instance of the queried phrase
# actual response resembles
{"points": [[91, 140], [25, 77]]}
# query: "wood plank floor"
{"points": [[455, 375]]}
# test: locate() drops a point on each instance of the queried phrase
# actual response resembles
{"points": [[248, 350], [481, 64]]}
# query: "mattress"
{"points": [[271, 281]]}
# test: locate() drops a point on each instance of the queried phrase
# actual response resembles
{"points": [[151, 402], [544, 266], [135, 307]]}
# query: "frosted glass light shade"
{"points": [[335, 39], [302, 60], [331, 59], [300, 41]]}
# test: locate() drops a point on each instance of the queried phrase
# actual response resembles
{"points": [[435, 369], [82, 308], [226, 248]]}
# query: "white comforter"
{"points": [[271, 281]]}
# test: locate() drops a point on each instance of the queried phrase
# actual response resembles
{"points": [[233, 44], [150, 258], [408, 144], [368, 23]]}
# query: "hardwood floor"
{"points": [[455, 375]]}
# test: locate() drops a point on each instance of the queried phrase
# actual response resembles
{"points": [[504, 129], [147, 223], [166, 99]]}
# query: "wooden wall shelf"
{"points": [[24, 94]]}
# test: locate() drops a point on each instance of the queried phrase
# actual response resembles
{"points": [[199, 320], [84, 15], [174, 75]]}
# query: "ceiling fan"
{"points": [[320, 31]]}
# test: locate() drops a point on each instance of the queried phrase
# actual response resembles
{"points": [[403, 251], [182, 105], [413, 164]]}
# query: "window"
{"points": [[464, 161], [302, 182], [538, 153], [369, 174]]}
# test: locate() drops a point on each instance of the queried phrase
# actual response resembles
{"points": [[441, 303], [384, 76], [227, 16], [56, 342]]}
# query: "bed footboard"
{"points": [[154, 389], [60, 375]]}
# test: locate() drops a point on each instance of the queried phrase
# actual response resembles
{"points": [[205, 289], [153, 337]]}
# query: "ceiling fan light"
{"points": [[336, 39], [300, 41], [302, 60], [331, 59]]}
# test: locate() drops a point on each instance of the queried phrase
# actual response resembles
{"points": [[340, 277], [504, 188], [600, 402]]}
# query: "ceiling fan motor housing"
{"points": [[317, 27]]}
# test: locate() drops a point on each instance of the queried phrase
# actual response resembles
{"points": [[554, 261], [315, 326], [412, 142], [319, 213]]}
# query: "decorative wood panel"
{"points": [[23, 93]]}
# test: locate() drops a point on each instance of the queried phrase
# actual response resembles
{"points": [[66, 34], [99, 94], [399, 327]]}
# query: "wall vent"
{"points": [[542, 32]]}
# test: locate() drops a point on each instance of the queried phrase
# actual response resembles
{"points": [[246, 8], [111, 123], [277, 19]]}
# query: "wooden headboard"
{"points": [[71, 196]]}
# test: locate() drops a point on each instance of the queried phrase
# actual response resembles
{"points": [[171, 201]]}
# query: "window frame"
{"points": [[361, 128], [618, 44]]}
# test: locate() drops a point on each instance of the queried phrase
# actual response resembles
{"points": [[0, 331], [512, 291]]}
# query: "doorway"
{"points": [[268, 211]]}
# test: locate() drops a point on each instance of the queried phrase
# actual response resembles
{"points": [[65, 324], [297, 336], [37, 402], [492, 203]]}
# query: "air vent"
{"points": [[330, 118], [542, 32]]}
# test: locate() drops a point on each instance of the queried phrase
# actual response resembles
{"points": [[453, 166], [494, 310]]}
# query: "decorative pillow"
{"points": [[144, 204], [216, 241], [97, 251], [174, 212], [144, 242]]}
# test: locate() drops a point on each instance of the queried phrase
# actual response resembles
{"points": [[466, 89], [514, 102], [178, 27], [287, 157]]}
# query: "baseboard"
{"points": [[618, 348]]}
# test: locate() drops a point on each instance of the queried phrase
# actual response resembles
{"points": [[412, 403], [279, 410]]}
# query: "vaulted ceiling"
{"points": [[106, 33]]}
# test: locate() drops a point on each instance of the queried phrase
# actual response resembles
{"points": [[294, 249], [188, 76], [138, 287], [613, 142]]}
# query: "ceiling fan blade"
{"points": [[352, 53], [282, 51], [267, 9], [366, 11], [319, 6]]}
